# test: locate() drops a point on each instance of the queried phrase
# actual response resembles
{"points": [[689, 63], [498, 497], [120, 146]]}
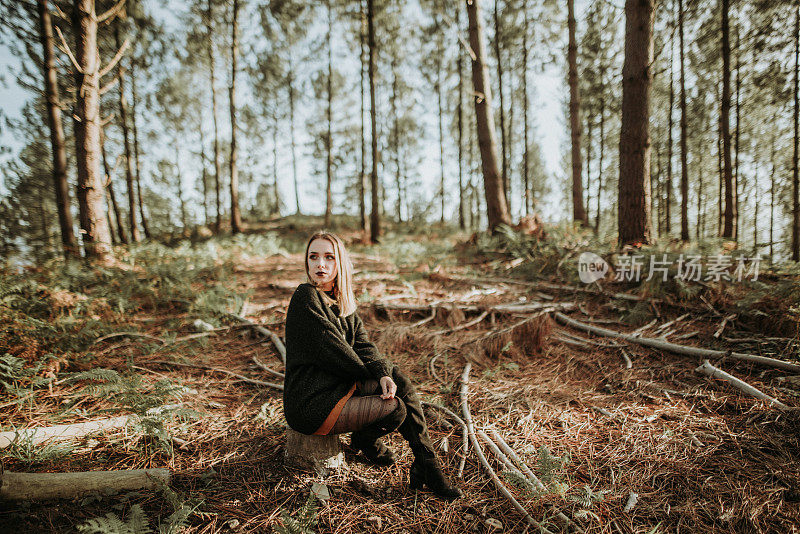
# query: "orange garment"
{"points": [[329, 421]]}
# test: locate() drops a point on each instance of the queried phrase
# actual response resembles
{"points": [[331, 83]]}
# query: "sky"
{"points": [[546, 108]]}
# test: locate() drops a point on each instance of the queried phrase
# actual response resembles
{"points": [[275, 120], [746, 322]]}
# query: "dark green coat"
{"points": [[325, 355]]}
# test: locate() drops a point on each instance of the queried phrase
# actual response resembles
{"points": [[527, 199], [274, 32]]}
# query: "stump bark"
{"points": [[43, 486], [321, 454]]}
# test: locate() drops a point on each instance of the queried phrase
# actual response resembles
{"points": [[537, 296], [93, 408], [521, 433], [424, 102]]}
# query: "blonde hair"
{"points": [[343, 284]]}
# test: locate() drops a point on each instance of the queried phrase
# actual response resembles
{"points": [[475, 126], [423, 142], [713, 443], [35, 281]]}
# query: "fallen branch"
{"points": [[465, 433], [471, 431], [432, 367], [263, 367], [264, 332], [42, 486], [511, 307], [715, 372], [128, 334], [462, 326], [223, 371], [531, 477], [427, 319], [723, 323], [678, 349], [37, 435]]}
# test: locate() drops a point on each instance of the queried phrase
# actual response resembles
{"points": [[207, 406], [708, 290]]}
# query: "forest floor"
{"points": [[698, 455]]}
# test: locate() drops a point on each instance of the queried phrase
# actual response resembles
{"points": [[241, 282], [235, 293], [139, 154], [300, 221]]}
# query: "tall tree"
{"points": [[634, 219], [684, 134], [214, 111], [123, 122], [57, 142], [578, 211], [96, 237], [796, 142], [728, 215], [496, 207], [375, 221], [329, 118], [236, 215], [503, 143]]}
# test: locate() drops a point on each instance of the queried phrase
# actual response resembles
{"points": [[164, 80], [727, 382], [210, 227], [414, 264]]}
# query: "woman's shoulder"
{"points": [[304, 292]]}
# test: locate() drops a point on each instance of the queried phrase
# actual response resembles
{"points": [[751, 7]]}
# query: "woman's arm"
{"points": [[368, 352], [311, 338]]}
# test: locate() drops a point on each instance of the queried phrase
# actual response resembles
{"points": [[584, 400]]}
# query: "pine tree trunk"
{"points": [[684, 134], [204, 173], [276, 198], [526, 169], [460, 70], [136, 151], [393, 138], [123, 121], [214, 114], [728, 217], [362, 181], [57, 143], [721, 173], [588, 162], [503, 141], [96, 237], [441, 123], [111, 194], [236, 214], [181, 200], [496, 207], [602, 151], [375, 222], [634, 220], [699, 229], [772, 201], [736, 146], [578, 211], [290, 84], [668, 185], [329, 118], [796, 141]]}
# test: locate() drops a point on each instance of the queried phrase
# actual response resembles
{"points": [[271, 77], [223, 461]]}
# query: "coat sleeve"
{"points": [[318, 341], [368, 352]]}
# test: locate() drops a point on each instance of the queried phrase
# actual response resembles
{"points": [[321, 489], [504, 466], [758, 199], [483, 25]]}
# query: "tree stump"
{"points": [[321, 454]]}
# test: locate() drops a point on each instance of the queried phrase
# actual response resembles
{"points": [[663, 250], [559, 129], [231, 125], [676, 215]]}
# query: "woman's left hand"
{"points": [[388, 387]]}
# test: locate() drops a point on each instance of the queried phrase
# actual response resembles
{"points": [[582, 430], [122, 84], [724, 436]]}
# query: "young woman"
{"points": [[337, 381]]}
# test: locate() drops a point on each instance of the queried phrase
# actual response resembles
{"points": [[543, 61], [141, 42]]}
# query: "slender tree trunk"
{"points": [[634, 220], [276, 198], [375, 222], [123, 121], [668, 185], [602, 150], [698, 230], [111, 195], [795, 180], [460, 69], [578, 211], [755, 214], [136, 151], [236, 214], [509, 191], [57, 143], [214, 108], [736, 146], [329, 118], [290, 83], [204, 173], [362, 181], [496, 207], [684, 134], [393, 138], [721, 174], [526, 168], [503, 141], [588, 162], [772, 201], [728, 218], [96, 237], [441, 123]]}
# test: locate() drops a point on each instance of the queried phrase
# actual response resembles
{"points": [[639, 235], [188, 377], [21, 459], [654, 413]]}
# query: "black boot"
{"points": [[425, 471], [374, 449]]}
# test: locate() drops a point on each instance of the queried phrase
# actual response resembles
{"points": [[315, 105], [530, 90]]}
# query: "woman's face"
{"points": [[322, 263]]}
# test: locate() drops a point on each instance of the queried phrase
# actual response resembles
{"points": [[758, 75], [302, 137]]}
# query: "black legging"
{"points": [[371, 416]]}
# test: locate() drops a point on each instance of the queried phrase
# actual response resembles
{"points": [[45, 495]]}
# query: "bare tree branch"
{"points": [[67, 51], [116, 59], [108, 15]]}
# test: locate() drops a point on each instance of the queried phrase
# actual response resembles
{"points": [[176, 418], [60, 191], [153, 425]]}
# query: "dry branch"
{"points": [[264, 367], [38, 435], [475, 445], [678, 349], [715, 372], [462, 326], [465, 433], [41, 486], [264, 332], [128, 334]]}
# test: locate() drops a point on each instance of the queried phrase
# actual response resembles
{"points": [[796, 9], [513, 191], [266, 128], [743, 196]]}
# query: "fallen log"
{"points": [[37, 435], [715, 372], [678, 349], [510, 307], [43, 486], [475, 445], [223, 371]]}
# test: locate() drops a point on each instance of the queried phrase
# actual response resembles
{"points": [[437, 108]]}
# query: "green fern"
{"points": [[304, 522], [550, 466], [112, 524], [586, 497]]}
